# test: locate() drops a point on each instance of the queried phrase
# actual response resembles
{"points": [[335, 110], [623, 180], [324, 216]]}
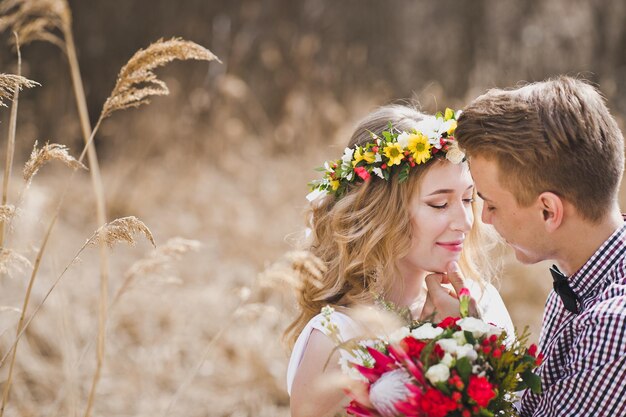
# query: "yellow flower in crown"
{"points": [[420, 148], [451, 117], [394, 152], [359, 155], [334, 184]]}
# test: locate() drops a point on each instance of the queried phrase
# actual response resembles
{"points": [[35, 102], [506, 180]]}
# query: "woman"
{"points": [[395, 208]]}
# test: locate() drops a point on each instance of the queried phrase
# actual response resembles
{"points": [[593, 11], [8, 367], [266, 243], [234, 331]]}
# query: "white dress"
{"points": [[490, 303]]}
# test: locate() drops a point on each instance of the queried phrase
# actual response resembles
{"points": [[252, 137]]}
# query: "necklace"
{"points": [[403, 312]]}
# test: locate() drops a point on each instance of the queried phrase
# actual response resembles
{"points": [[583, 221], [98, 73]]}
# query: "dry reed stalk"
{"points": [[135, 83], [119, 230], [39, 20], [98, 187], [11, 142], [242, 308], [37, 159]]}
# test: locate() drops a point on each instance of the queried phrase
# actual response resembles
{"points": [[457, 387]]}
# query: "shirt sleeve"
{"points": [[595, 368]]}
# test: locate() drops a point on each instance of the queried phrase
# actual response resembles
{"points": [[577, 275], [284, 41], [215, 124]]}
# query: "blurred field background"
{"points": [[225, 160]]}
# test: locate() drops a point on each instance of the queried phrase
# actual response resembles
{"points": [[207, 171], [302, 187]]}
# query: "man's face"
{"points": [[521, 227]]}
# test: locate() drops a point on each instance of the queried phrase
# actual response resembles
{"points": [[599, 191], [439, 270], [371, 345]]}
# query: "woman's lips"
{"points": [[454, 246]]}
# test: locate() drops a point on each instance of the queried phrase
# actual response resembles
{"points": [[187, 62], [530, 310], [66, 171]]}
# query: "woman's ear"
{"points": [[552, 210]]}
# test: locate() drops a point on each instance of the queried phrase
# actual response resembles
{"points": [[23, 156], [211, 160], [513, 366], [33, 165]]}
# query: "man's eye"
{"points": [[490, 208]]}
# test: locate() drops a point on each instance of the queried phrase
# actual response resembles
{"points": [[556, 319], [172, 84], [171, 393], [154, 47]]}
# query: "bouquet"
{"points": [[460, 367]]}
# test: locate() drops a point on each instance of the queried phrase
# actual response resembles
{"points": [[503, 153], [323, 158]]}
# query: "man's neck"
{"points": [[583, 239]]}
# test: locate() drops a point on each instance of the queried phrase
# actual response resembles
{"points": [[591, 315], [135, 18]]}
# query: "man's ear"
{"points": [[552, 210]]}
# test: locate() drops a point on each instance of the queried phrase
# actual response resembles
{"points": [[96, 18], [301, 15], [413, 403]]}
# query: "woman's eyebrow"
{"points": [[446, 191]]}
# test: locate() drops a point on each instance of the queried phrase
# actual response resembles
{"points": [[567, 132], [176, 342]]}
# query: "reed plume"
{"points": [[36, 20], [295, 269], [49, 152], [6, 212], [10, 82], [137, 82], [11, 260], [158, 263], [119, 230]]}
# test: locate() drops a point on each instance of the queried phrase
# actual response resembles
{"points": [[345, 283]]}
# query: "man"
{"points": [[547, 160]]}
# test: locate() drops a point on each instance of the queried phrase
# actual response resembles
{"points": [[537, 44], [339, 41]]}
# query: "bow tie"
{"points": [[562, 288]]}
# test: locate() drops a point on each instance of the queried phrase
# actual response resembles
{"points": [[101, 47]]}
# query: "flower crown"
{"points": [[393, 151]]}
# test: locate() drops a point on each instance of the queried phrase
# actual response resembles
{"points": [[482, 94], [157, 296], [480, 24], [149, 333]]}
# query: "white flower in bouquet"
{"points": [[459, 337], [448, 360], [495, 330], [438, 373], [466, 351], [448, 345], [399, 334], [388, 390], [475, 326], [426, 331]]}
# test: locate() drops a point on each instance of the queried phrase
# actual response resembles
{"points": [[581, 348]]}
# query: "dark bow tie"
{"points": [[562, 288]]}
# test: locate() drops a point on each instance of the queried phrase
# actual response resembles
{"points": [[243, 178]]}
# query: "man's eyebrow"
{"points": [[482, 196], [448, 191]]}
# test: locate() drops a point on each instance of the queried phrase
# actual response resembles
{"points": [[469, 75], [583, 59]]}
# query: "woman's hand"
{"points": [[441, 301]]}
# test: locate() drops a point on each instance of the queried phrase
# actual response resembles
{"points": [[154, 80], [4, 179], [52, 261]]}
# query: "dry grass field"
{"points": [[203, 336], [194, 327]]}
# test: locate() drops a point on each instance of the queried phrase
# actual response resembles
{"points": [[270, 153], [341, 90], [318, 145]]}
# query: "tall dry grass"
{"points": [[37, 20]]}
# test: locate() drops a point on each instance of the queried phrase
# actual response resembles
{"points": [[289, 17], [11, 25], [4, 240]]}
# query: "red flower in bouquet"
{"points": [[435, 404], [480, 390]]}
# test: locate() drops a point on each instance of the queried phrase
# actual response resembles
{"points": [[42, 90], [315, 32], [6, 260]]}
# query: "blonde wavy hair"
{"points": [[360, 237]]}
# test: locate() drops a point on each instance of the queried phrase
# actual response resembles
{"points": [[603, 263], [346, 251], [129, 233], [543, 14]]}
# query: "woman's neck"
{"points": [[409, 289]]}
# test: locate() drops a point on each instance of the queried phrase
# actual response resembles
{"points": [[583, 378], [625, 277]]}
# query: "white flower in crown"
{"points": [[430, 126], [378, 172], [347, 155], [403, 139], [315, 194]]}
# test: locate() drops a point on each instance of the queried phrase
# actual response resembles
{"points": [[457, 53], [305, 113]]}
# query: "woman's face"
{"points": [[441, 217]]}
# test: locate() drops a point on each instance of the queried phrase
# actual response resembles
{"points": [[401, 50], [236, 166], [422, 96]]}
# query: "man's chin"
{"points": [[524, 257]]}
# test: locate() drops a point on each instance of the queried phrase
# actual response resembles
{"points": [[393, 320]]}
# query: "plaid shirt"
{"points": [[584, 371]]}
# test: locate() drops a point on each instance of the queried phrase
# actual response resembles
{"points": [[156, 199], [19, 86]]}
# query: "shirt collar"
{"points": [[586, 281]]}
